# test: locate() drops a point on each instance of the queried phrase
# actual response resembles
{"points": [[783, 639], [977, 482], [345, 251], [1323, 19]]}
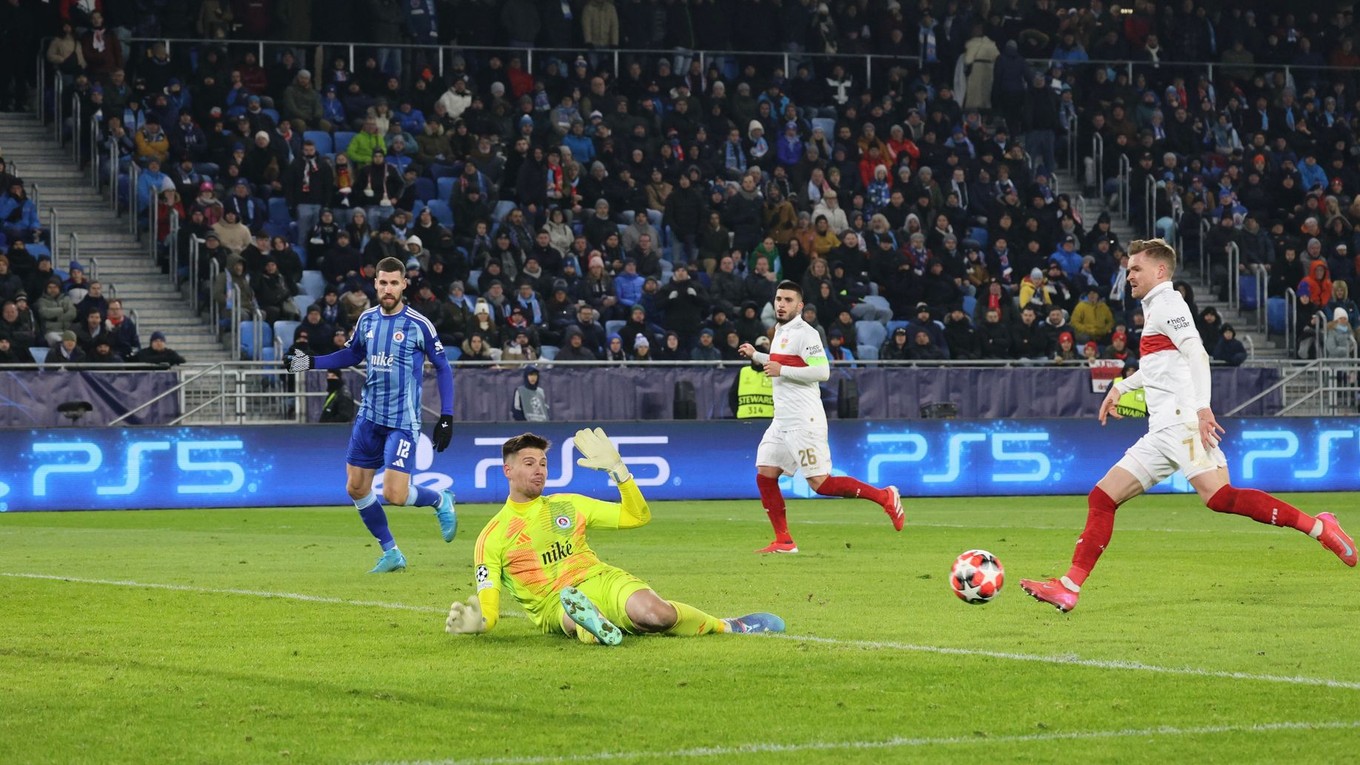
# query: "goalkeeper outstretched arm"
{"points": [[599, 453]]}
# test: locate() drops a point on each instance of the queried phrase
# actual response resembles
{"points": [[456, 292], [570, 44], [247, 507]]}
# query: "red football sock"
{"points": [[1260, 507], [1095, 537], [851, 488], [773, 501]]}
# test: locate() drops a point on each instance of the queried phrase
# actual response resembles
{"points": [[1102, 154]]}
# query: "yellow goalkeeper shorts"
{"points": [[609, 590]]}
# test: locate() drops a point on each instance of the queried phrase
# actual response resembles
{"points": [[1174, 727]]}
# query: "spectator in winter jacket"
{"points": [[531, 402], [1230, 350]]}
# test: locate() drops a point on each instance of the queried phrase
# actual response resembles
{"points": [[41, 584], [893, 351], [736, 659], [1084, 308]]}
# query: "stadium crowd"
{"points": [[546, 200]]}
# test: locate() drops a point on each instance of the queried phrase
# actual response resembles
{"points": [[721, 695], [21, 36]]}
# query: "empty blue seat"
{"points": [[342, 139], [425, 189], [322, 139], [1275, 313], [313, 283], [969, 303], [441, 212], [438, 170], [248, 349], [869, 334], [273, 114], [303, 302], [284, 331], [867, 352], [278, 210], [453, 353], [445, 186]]}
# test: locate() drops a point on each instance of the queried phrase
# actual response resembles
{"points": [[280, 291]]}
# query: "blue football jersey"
{"points": [[395, 349]]}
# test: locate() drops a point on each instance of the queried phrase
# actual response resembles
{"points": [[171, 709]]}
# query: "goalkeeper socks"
{"points": [[773, 501], [371, 511], [691, 621], [419, 496], [1263, 508], [851, 488], [1094, 538]]}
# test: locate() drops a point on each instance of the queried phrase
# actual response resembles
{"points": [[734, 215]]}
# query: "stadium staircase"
{"points": [[1260, 345], [102, 242]]}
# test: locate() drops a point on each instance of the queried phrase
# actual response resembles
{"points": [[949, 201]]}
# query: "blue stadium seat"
{"points": [[867, 352], [827, 125], [453, 353], [248, 349], [445, 187], [441, 212], [300, 249], [869, 334], [1276, 308], [548, 352], [893, 325], [303, 302], [278, 210], [278, 228], [313, 283], [342, 139], [425, 189], [273, 114], [39, 355], [969, 303], [878, 302], [322, 139], [614, 325], [438, 171], [503, 209], [284, 331]]}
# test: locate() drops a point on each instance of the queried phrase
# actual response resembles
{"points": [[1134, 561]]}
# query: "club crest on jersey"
{"points": [[398, 336], [562, 521], [783, 341]]}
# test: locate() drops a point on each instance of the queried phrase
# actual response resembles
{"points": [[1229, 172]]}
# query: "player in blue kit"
{"points": [[395, 341]]}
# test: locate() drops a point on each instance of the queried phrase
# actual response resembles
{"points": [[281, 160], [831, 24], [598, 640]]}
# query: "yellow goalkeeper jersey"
{"points": [[535, 549]]}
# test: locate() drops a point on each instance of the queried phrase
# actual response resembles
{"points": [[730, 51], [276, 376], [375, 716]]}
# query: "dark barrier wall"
{"points": [[134, 468], [630, 393], [30, 399]]}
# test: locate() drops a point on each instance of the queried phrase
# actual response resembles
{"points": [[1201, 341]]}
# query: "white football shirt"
{"points": [[797, 391], [1171, 398]]}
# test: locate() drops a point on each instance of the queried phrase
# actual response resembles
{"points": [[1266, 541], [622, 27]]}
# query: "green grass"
{"points": [[98, 672]]}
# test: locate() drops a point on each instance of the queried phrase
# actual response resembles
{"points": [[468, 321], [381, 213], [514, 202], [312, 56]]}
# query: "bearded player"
{"points": [[1182, 434], [797, 439], [536, 547]]}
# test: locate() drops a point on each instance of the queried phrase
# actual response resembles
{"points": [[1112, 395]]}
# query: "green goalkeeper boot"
{"points": [[580, 610]]}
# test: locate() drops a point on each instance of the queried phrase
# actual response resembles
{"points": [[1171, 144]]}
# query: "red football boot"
{"points": [[1336, 540], [1051, 592]]}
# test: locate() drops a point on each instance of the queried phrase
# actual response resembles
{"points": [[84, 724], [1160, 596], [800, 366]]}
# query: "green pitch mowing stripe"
{"points": [[255, 635]]}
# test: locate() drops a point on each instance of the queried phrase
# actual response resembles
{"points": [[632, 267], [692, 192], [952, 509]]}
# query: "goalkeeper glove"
{"points": [[465, 618], [299, 362], [443, 432], [598, 453]]}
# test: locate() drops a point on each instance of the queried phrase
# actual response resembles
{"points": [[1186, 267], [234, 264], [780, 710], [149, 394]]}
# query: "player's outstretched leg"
{"points": [[579, 609], [1273, 511], [447, 515], [1062, 593], [752, 623], [773, 500], [375, 519], [851, 488]]}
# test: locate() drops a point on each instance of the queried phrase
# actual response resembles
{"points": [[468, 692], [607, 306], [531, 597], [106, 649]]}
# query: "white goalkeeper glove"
{"points": [[465, 618], [599, 453]]}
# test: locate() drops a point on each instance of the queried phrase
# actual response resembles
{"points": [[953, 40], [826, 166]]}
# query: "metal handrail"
{"points": [[75, 129], [195, 288], [54, 234], [1203, 253], [134, 176], [1262, 275], [214, 311], [172, 247], [1150, 213], [1098, 159], [74, 245], [257, 336], [1125, 171], [1291, 322], [94, 150], [113, 174], [58, 122], [1234, 284], [35, 191], [153, 218], [174, 390]]}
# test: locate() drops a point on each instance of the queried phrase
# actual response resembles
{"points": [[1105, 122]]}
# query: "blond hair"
{"points": [[1157, 249]]}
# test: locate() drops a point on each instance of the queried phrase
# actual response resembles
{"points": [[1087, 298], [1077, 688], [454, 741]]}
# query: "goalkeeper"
{"points": [[394, 340], [536, 547]]}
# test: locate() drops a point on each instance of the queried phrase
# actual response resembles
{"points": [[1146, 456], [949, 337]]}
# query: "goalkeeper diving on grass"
{"points": [[395, 341], [536, 547]]}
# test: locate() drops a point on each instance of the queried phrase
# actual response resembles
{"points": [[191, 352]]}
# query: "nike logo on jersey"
{"points": [[382, 360]]}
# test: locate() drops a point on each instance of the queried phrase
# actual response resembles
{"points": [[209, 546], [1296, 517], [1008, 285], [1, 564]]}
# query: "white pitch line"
{"points": [[977, 526], [215, 591], [1075, 661], [873, 645], [901, 742]]}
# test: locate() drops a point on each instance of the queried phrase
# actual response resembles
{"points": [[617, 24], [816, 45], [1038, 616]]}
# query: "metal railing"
{"points": [[134, 177], [1149, 212], [1291, 323], [1098, 162], [1125, 190], [54, 234], [214, 310]]}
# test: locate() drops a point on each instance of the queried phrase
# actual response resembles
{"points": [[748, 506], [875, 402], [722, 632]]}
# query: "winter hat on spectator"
{"points": [[253, 100], [76, 266], [641, 341], [482, 307], [1066, 336], [1340, 314], [497, 88], [1119, 334], [1036, 273], [706, 331], [157, 336], [413, 263], [413, 239], [21, 295], [764, 342], [1093, 346], [205, 186], [68, 335], [595, 259], [1304, 290]]}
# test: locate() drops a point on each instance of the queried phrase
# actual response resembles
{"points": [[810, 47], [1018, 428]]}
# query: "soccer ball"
{"points": [[977, 577]]}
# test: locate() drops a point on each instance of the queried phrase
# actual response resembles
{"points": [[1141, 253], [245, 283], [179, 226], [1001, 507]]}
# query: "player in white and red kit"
{"points": [[796, 439], [1182, 434]]}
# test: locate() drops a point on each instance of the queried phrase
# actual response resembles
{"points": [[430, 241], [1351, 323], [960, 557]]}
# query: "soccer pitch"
{"points": [[256, 636]]}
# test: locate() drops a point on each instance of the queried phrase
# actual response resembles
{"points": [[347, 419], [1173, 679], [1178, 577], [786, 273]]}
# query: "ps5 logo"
{"points": [[1014, 456], [198, 466], [661, 466]]}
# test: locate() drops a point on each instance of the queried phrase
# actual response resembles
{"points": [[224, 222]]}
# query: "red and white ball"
{"points": [[977, 577]]}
